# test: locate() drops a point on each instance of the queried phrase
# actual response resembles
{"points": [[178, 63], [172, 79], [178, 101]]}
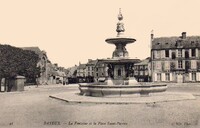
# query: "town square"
{"points": [[104, 64]]}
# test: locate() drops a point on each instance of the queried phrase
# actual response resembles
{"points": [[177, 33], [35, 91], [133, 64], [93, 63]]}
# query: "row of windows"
{"points": [[141, 73], [97, 74], [167, 77], [174, 53], [90, 68], [141, 67], [180, 64]]}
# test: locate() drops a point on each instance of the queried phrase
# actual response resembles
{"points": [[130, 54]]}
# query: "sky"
{"points": [[73, 31]]}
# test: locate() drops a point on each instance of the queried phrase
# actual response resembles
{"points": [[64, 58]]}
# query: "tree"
{"points": [[15, 61]]}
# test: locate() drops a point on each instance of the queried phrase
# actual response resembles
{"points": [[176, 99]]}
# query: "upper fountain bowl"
{"points": [[120, 40]]}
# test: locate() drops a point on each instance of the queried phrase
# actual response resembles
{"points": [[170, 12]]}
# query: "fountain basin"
{"points": [[120, 40], [120, 90]]}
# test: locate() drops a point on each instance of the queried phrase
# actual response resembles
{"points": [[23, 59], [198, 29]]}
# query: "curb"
{"points": [[86, 101]]}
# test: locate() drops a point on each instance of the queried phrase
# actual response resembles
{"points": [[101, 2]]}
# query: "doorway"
{"points": [[179, 78]]}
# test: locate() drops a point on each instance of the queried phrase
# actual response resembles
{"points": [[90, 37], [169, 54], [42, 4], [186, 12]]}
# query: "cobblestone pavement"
{"points": [[33, 108]]}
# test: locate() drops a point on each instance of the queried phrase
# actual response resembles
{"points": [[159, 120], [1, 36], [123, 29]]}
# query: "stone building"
{"points": [[142, 70], [42, 63], [175, 59], [90, 67], [81, 70], [101, 72]]}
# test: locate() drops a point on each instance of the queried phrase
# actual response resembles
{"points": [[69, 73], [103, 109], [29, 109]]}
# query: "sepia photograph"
{"points": [[99, 64]]}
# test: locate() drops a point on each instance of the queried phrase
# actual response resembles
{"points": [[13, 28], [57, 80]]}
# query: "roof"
{"points": [[58, 73], [175, 42], [143, 62], [120, 60], [92, 62], [72, 70], [82, 66]]}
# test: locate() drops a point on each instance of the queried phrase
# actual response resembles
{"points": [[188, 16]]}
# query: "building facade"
{"points": [[141, 70], [90, 67], [42, 63], [81, 70], [175, 59], [101, 71]]}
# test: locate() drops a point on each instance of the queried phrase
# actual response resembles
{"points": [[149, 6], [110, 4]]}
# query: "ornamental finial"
{"points": [[120, 17], [120, 25]]}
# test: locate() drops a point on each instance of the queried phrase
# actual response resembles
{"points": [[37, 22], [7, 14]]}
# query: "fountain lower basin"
{"points": [[120, 90]]}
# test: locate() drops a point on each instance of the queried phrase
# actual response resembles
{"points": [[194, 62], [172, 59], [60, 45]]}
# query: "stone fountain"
{"points": [[120, 71]]}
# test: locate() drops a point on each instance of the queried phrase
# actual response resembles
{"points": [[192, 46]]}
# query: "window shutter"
{"points": [[198, 76], [167, 65], [170, 54], [183, 53], [193, 64], [183, 64], [197, 52], [163, 77], [176, 52], [155, 76], [163, 54], [170, 77], [190, 76], [190, 52]]}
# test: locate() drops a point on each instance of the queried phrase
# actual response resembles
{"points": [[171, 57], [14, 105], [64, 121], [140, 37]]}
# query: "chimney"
{"points": [[152, 35], [56, 65], [183, 35], [89, 60]]}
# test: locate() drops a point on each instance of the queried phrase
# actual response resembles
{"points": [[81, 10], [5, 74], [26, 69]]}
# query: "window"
{"points": [[193, 64], [136, 73], [186, 54], [167, 66], [194, 76], [167, 75], [158, 65], [180, 64], [193, 53], [159, 77], [158, 54], [119, 72], [141, 73], [146, 73], [136, 67], [172, 66], [97, 74], [173, 55], [179, 52], [97, 69], [166, 53]]}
